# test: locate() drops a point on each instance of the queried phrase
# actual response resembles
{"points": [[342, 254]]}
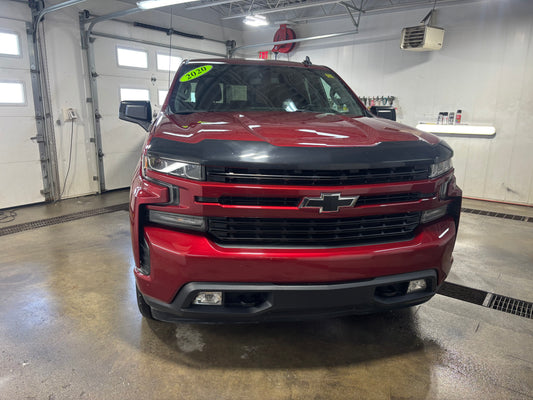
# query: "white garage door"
{"points": [[20, 166], [127, 71]]}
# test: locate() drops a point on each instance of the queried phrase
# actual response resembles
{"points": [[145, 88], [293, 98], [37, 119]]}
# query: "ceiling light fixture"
{"points": [[256, 20], [150, 4]]}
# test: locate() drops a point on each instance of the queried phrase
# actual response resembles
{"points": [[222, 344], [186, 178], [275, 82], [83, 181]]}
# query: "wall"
{"points": [[484, 68]]}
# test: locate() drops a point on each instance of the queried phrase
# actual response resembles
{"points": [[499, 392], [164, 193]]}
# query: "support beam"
{"points": [[349, 8], [213, 4], [280, 9]]}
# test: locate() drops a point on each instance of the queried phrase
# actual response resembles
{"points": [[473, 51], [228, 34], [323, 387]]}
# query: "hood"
{"points": [[298, 129]]}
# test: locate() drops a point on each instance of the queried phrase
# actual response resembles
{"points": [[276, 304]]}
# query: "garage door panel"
{"points": [[121, 136], [119, 168], [19, 183], [109, 65], [110, 101], [122, 141], [22, 149], [20, 165]]}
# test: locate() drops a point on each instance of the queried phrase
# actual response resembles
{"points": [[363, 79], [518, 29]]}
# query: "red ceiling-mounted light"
{"points": [[284, 33]]}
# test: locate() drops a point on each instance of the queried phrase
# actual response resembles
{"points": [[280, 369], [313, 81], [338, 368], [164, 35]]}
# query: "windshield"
{"points": [[231, 87]]}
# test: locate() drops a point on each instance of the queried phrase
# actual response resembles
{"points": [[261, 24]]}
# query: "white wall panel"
{"points": [[485, 68], [68, 88], [497, 169], [476, 164]]}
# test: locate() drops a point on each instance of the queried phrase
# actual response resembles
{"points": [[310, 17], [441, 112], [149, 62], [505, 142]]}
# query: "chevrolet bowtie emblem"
{"points": [[328, 202]]}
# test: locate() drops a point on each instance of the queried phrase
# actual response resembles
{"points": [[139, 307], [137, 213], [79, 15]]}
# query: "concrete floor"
{"points": [[70, 328]]}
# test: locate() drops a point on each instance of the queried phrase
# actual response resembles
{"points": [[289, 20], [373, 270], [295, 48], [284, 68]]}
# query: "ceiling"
{"points": [[230, 13]]}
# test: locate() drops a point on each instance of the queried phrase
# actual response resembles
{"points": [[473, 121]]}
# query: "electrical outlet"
{"points": [[69, 114]]}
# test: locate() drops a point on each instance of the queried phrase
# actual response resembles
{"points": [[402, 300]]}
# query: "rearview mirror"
{"points": [[136, 111]]}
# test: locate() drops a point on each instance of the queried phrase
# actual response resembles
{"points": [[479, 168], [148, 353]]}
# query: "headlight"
{"points": [[173, 167], [440, 168]]}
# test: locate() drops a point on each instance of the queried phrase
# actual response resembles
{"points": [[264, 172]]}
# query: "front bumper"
{"points": [[178, 258], [269, 302]]}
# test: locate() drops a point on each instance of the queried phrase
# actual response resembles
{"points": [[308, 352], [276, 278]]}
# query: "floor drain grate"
{"points": [[491, 300], [8, 230], [511, 306], [497, 215]]}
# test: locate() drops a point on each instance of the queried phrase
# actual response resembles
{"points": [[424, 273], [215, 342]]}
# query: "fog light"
{"points": [[208, 299], [432, 215], [177, 220], [418, 285]]}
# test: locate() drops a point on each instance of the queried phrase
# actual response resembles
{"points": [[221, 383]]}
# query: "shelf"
{"points": [[458, 130]]}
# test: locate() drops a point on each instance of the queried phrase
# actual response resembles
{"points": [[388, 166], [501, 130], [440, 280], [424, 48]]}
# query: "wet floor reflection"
{"points": [[322, 343], [364, 354]]}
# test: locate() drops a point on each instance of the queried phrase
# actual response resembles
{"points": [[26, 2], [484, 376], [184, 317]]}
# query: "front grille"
{"points": [[260, 201], [317, 177], [295, 201], [391, 198], [313, 232]]}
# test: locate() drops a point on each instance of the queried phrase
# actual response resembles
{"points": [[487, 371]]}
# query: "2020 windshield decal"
{"points": [[195, 73]]}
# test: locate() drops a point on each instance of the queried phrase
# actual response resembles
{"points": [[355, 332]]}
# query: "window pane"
{"points": [[9, 44], [168, 63], [162, 94], [132, 58], [12, 93], [134, 94]]}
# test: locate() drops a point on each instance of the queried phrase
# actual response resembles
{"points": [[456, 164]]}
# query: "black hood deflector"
{"points": [[253, 154]]}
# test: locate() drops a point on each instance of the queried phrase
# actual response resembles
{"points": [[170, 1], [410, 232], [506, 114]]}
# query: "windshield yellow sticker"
{"points": [[195, 73], [329, 76]]}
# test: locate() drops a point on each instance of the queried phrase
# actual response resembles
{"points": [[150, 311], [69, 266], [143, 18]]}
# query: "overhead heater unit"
{"points": [[422, 38]]}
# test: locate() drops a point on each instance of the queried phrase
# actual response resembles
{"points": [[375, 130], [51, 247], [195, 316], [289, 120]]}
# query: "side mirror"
{"points": [[386, 112], [136, 111]]}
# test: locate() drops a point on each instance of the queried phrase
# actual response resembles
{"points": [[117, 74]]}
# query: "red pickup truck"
{"points": [[267, 191]]}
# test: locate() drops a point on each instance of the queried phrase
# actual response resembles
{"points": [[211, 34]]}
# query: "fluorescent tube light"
{"points": [[149, 4], [256, 20]]}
